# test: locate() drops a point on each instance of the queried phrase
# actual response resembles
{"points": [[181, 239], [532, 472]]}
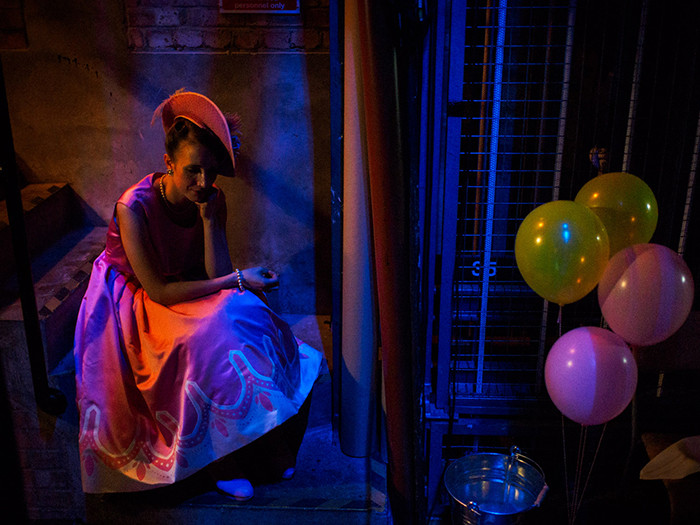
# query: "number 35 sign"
{"points": [[490, 267]]}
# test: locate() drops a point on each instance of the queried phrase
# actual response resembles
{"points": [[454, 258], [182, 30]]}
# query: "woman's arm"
{"points": [[217, 260], [143, 261]]}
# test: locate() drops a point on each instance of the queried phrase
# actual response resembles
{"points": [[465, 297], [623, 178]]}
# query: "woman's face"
{"points": [[195, 168]]}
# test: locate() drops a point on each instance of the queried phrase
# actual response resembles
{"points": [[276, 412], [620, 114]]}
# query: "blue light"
{"points": [[493, 171], [566, 234]]}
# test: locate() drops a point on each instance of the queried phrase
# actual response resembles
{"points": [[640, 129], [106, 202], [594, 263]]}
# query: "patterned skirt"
{"points": [[164, 391]]}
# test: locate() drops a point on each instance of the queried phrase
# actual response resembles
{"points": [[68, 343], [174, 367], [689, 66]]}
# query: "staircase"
{"points": [[63, 241], [62, 246]]}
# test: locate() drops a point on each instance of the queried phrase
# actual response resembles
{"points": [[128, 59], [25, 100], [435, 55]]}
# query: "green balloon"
{"points": [[561, 250], [625, 204]]}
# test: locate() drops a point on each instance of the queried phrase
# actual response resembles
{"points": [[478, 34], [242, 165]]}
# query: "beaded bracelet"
{"points": [[240, 280]]}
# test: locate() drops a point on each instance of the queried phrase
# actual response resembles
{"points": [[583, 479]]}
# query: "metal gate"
{"points": [[504, 113]]}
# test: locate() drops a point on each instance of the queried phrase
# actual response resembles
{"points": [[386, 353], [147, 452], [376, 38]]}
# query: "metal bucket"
{"points": [[493, 488]]}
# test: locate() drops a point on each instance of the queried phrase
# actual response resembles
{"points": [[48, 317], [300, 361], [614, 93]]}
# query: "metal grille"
{"points": [[510, 111], [514, 96]]}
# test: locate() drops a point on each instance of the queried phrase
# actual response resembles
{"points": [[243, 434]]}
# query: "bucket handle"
{"points": [[541, 495], [473, 506], [517, 454]]}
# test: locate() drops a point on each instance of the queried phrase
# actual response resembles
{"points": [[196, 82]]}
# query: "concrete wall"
{"points": [[81, 97]]}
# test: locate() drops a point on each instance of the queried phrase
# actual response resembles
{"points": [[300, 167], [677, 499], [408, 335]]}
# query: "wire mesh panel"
{"points": [[514, 93], [510, 108]]}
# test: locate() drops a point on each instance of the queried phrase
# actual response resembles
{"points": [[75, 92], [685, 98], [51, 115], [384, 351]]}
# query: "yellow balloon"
{"points": [[625, 204], [561, 250]]}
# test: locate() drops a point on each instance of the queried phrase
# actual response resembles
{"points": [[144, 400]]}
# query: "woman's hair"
{"points": [[184, 130]]}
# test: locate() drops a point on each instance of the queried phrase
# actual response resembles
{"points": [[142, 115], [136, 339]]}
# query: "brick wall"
{"points": [[199, 26]]}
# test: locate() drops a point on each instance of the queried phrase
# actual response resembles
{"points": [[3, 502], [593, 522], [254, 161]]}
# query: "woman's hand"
{"points": [[209, 207], [260, 278]]}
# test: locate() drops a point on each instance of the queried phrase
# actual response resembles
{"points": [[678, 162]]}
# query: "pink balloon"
{"points": [[646, 293], [590, 375]]}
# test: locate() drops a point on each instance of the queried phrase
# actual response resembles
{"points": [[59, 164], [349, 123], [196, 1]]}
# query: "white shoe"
{"points": [[238, 489]]}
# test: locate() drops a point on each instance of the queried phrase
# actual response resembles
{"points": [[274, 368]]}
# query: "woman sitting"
{"points": [[180, 362]]}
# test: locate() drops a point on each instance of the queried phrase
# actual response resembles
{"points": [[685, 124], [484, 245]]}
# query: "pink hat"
{"points": [[202, 112]]}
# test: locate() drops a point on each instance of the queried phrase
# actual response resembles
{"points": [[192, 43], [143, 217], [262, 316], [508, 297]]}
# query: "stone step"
{"points": [[51, 210], [65, 269]]}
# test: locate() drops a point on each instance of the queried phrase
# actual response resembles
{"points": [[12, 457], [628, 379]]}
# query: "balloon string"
{"points": [[590, 471], [559, 320], [566, 473], [579, 468]]}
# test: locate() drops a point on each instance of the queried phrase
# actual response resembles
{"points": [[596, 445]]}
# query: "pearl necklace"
{"points": [[167, 202], [162, 190]]}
